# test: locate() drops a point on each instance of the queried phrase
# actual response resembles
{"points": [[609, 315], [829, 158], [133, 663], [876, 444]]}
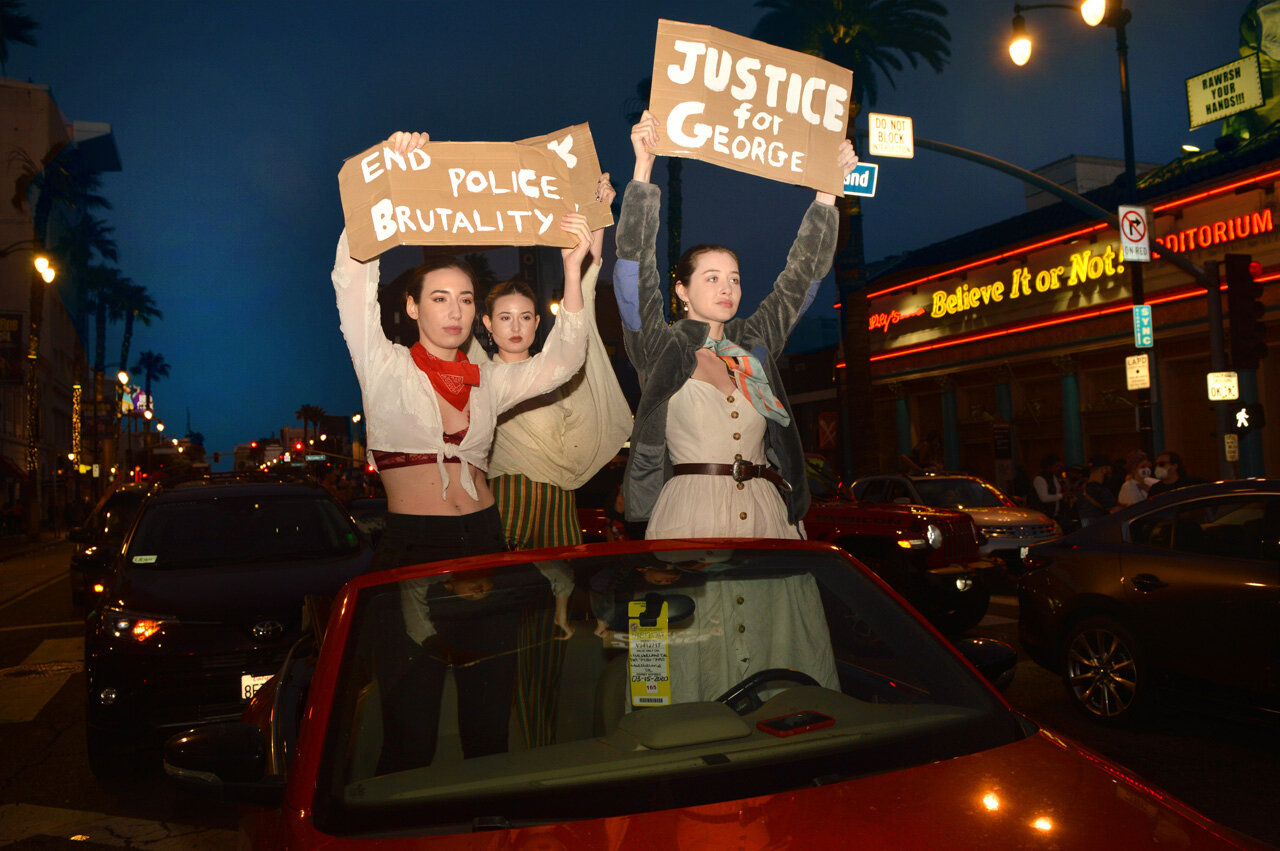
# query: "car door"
{"points": [[1202, 582]]}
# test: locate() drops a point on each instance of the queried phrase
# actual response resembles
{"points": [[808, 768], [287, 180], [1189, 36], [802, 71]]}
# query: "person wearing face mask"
{"points": [[1169, 474], [1138, 480], [1096, 499], [715, 450]]}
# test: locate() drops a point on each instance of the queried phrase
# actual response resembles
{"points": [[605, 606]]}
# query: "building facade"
{"points": [[1013, 341]]}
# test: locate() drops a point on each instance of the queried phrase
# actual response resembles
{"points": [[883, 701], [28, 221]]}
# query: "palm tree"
{"points": [[675, 193], [152, 366], [483, 270], [62, 182], [16, 27], [137, 305], [309, 414], [106, 294], [870, 38], [75, 251]]}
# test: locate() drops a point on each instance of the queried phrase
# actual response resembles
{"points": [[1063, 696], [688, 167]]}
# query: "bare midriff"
{"points": [[416, 490]]}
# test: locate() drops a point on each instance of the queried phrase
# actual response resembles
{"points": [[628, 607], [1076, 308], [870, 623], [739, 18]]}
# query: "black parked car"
{"points": [[203, 603], [98, 541], [1176, 596]]}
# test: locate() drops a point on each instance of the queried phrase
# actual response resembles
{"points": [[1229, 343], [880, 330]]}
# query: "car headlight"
{"points": [[933, 535], [139, 626]]}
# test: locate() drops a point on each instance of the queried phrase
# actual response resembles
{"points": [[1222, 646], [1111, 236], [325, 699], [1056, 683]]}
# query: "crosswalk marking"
{"points": [[24, 821], [26, 688]]}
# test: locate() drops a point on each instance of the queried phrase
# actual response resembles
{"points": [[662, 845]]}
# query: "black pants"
{"points": [[473, 638]]}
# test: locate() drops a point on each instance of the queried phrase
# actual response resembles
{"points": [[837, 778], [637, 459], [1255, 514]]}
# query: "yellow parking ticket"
{"points": [[648, 651]]}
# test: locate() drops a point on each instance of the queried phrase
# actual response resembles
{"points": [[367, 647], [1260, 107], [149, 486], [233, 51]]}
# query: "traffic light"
{"points": [[297, 446], [1248, 334], [1246, 418]]}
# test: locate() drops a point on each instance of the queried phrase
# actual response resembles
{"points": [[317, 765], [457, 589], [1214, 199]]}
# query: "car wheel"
{"points": [[1104, 672], [965, 616]]}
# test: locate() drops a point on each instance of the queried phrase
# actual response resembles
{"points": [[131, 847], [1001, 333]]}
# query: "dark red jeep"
{"points": [[928, 555]]}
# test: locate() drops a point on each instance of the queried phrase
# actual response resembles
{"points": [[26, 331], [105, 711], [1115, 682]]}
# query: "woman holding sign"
{"points": [[714, 451], [430, 416], [543, 450], [712, 409]]}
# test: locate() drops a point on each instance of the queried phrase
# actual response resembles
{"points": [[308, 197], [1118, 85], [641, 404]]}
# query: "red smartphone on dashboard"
{"points": [[796, 722]]}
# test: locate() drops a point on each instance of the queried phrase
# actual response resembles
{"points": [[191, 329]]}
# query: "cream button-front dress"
{"points": [[705, 426]]}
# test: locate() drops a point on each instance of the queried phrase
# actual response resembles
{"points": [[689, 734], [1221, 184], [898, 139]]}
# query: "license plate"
{"points": [[249, 685]]}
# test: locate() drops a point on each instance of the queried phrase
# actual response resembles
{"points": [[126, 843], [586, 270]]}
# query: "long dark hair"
{"points": [[413, 287], [511, 286]]}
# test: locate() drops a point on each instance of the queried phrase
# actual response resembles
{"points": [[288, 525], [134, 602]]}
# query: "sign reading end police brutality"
{"points": [[470, 193], [749, 106]]}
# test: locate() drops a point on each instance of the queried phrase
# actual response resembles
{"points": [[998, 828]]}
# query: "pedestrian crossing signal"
{"points": [[1246, 418]]}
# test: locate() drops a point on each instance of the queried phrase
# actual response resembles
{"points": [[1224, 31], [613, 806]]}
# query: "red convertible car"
{"points": [[657, 694]]}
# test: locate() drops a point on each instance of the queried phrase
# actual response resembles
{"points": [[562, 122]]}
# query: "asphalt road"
{"points": [[1227, 770]]}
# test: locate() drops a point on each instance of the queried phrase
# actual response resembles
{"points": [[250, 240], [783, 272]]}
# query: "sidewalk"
{"points": [[16, 545]]}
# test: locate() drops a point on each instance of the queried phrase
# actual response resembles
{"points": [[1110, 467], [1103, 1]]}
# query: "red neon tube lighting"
{"points": [[1208, 193]]}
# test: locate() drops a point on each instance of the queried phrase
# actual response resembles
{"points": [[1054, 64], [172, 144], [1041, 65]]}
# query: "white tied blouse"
{"points": [[563, 438], [402, 413]]}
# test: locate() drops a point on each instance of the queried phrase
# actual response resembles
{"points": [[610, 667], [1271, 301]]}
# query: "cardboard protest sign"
{"points": [[455, 193], [575, 146], [749, 106]]}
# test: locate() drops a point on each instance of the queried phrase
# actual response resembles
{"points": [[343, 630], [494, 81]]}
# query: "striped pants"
{"points": [[536, 514]]}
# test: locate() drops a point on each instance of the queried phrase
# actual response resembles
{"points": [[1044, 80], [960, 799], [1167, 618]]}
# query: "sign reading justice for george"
{"points": [[749, 106], [471, 193]]}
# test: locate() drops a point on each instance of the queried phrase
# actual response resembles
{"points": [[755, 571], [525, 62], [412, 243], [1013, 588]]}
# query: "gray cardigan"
{"points": [[665, 356]]}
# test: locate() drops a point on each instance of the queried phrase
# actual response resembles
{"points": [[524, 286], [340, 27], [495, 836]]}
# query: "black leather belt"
{"points": [[739, 469]]}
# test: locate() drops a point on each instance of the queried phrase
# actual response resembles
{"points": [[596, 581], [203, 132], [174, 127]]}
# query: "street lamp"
{"points": [[43, 273], [1111, 13]]}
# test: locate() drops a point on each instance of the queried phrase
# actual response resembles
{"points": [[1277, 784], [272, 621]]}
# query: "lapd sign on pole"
{"points": [[471, 193], [749, 106]]}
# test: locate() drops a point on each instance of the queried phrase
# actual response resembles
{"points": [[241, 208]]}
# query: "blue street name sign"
{"points": [[862, 180], [1144, 331]]}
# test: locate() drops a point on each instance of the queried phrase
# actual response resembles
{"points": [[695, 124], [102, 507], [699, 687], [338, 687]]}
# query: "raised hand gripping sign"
{"points": [[470, 193], [749, 106], [577, 150]]}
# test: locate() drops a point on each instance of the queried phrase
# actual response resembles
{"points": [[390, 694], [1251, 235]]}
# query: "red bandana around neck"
{"points": [[453, 380]]}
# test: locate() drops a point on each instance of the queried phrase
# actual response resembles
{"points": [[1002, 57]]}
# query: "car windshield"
{"points": [[460, 698], [231, 529], [958, 493]]}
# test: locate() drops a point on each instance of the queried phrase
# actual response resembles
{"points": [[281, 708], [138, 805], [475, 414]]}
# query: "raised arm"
{"points": [[636, 283], [355, 285], [565, 348], [808, 262]]}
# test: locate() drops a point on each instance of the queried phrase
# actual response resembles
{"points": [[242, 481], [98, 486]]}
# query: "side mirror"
{"points": [[993, 658], [227, 760]]}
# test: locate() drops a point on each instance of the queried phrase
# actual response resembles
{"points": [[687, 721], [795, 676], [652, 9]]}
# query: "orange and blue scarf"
{"points": [[747, 373]]}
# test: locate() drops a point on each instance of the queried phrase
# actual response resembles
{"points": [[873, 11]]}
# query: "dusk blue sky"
{"points": [[233, 118]]}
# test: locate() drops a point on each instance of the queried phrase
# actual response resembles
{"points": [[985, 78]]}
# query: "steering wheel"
{"points": [[744, 698]]}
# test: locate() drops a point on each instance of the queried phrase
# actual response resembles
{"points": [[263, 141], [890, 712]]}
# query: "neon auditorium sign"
{"points": [[1081, 267]]}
